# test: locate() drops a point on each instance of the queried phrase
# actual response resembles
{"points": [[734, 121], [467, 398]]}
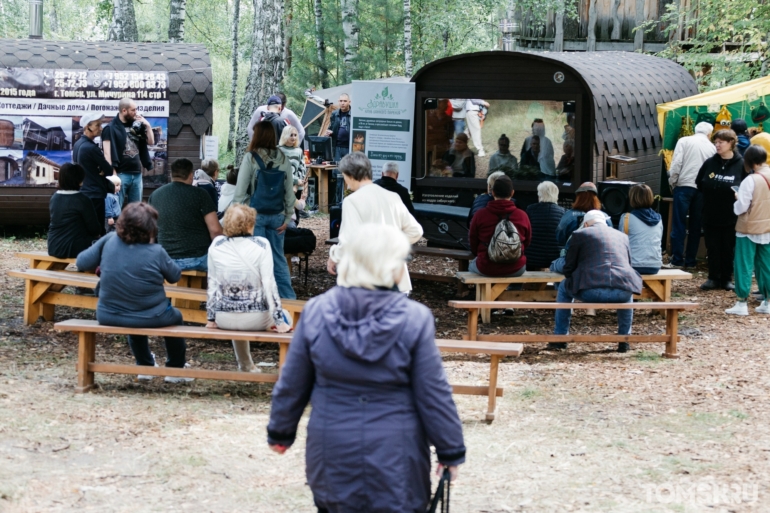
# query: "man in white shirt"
{"points": [[473, 122], [285, 113], [545, 158], [689, 155], [370, 204]]}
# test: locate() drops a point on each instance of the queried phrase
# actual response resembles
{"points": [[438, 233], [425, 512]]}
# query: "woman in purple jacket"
{"points": [[364, 355]]}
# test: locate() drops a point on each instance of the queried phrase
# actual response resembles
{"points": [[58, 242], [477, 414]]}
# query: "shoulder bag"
{"points": [[442, 494]]}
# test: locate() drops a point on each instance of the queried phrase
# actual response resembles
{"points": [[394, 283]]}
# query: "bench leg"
{"points": [[283, 349], [462, 266], [47, 311], [184, 281], [672, 330], [31, 311], [473, 323], [494, 362], [486, 295], [86, 355]]}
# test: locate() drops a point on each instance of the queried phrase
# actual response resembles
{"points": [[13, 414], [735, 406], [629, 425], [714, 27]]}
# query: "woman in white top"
{"points": [[242, 294]]}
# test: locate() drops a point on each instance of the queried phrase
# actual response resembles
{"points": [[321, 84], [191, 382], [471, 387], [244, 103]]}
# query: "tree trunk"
{"points": [[176, 21], [351, 30], [54, 18], [408, 38], [320, 45], [592, 26], [266, 70], [615, 35], [123, 26], [558, 39], [639, 34], [234, 85], [288, 39]]}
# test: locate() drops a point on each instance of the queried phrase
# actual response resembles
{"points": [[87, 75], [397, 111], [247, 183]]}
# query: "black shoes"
{"points": [[623, 347], [728, 285], [556, 346], [710, 285]]}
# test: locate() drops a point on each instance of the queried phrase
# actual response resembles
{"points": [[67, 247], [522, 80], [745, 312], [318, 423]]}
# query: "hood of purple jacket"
{"points": [[365, 324]]}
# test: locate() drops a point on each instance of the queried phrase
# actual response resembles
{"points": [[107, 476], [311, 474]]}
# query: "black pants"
{"points": [[99, 207], [720, 243]]}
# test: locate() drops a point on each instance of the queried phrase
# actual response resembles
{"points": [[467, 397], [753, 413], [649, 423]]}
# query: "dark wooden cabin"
{"points": [[191, 97]]}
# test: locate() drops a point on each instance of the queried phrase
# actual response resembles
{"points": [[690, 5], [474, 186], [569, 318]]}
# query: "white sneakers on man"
{"points": [[147, 377], [174, 379], [764, 308], [741, 308]]}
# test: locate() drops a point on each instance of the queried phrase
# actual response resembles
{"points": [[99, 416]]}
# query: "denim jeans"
{"points": [[265, 227], [130, 188], [686, 200], [474, 269], [200, 263], [602, 295], [647, 270], [459, 126]]}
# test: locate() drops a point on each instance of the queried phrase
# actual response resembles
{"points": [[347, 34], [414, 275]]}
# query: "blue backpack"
{"points": [[267, 197]]}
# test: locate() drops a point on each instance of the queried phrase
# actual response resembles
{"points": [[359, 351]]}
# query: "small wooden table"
{"points": [[322, 185]]}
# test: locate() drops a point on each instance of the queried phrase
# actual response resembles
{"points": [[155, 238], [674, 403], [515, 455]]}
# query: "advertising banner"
{"points": [[383, 125], [40, 111]]}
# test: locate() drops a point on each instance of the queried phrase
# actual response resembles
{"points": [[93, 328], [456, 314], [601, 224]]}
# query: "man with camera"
{"points": [[125, 141]]}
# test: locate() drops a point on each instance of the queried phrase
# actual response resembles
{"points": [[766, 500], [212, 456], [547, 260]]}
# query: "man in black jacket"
{"points": [[340, 126], [389, 182], [125, 148], [90, 157]]}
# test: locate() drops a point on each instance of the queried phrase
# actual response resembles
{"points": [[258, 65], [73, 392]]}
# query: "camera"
{"points": [[138, 131]]}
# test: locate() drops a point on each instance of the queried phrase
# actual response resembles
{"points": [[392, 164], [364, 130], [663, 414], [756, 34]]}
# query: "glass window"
{"points": [[525, 139]]}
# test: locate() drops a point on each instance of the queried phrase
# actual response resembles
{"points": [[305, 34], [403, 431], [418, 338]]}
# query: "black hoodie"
{"points": [[715, 179]]}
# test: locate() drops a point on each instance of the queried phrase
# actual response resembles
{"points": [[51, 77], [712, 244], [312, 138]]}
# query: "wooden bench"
{"points": [[656, 287], [87, 365], [303, 258], [43, 292], [670, 338]]}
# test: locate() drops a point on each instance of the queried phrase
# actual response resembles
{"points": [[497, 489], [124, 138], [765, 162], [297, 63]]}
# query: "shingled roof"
{"points": [[191, 90], [626, 88]]}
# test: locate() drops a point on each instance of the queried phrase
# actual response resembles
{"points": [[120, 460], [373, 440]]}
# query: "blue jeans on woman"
{"points": [[266, 227], [600, 295]]}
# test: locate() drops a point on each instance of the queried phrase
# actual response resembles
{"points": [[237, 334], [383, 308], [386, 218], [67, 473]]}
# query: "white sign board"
{"points": [[383, 125], [211, 147]]}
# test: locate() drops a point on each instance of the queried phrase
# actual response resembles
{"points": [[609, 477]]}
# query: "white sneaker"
{"points": [[482, 153], [740, 308], [591, 312], [174, 379], [147, 377], [764, 308]]}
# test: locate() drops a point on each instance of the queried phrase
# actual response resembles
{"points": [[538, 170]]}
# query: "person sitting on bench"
{"points": [[242, 294], [131, 294], [597, 270]]}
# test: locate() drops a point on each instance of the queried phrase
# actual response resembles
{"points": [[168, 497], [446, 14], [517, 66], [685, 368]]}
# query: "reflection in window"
{"points": [[527, 140]]}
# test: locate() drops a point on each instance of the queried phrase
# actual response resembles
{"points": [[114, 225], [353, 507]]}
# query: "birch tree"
{"points": [[351, 30], [408, 38], [320, 44], [177, 10], [234, 85], [123, 26], [267, 64]]}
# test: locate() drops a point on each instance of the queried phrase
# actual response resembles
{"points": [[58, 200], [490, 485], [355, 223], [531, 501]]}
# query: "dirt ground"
{"points": [[583, 430]]}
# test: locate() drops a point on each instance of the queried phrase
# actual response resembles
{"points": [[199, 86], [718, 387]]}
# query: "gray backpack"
{"points": [[505, 246]]}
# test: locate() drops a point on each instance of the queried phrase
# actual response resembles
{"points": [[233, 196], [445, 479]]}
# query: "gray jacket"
{"points": [[368, 363], [645, 241]]}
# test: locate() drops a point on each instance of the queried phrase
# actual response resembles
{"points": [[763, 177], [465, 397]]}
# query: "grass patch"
{"points": [[215, 357], [738, 414], [647, 356], [529, 393]]}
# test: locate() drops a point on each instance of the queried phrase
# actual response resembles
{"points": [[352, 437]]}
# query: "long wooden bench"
{"points": [[656, 287], [87, 365], [670, 338], [43, 292]]}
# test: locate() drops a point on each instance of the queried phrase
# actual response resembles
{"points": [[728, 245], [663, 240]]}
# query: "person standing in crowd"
{"points": [[482, 200], [228, 190], [188, 218], [340, 126], [289, 145], [483, 228], [586, 199], [544, 217], [112, 204], [131, 287], [286, 114], [689, 155], [88, 154], [530, 157], [125, 148], [74, 225], [365, 357], [473, 123], [206, 177], [566, 166], [458, 115], [460, 158], [242, 294], [644, 228], [597, 270], [266, 183], [370, 204], [503, 160], [715, 180], [389, 182], [752, 245], [545, 156], [741, 130]]}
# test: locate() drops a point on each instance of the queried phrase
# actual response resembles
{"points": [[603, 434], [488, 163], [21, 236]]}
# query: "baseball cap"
{"points": [[587, 186], [90, 117], [274, 100]]}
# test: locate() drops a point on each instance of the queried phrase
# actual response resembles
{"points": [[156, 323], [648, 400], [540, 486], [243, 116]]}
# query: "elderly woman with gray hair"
{"points": [[365, 357]]}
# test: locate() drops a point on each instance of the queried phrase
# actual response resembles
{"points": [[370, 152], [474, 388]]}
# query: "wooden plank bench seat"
{"points": [[656, 287], [670, 338], [87, 365], [43, 292]]}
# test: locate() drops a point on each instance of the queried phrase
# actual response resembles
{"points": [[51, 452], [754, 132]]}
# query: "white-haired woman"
{"points": [[365, 356], [242, 294], [544, 217], [289, 145]]}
